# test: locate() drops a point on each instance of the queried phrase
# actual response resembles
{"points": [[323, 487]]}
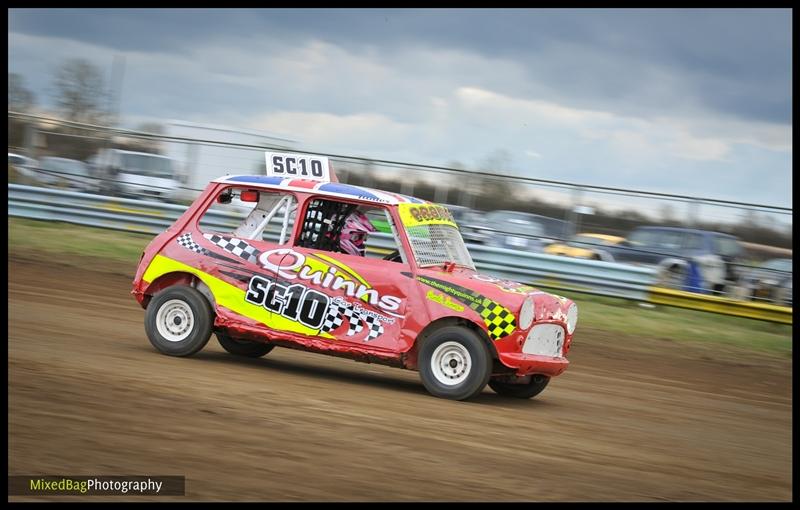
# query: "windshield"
{"points": [[150, 166], [67, 166], [434, 236]]}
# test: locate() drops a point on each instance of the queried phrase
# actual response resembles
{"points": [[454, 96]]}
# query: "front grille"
{"points": [[545, 340]]}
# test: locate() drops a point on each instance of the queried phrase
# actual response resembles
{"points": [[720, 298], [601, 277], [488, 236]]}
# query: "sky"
{"points": [[686, 101]]}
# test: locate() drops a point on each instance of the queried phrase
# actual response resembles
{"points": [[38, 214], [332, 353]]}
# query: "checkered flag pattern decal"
{"points": [[187, 242], [375, 326], [238, 247], [334, 318], [498, 319], [338, 311]]}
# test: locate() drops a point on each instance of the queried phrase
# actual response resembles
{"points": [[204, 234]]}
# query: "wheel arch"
{"points": [[410, 358], [670, 262], [178, 278]]}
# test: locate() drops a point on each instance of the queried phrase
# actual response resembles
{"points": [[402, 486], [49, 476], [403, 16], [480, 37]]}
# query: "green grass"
{"points": [[679, 324], [613, 315], [63, 238]]}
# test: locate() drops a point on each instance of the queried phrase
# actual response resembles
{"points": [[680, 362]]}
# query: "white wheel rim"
{"points": [[174, 320], [451, 363]]}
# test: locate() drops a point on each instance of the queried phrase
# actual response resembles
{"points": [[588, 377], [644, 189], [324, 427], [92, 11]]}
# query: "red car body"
{"points": [[364, 308]]}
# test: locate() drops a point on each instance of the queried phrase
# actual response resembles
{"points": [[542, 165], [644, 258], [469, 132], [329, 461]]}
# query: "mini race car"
{"points": [[305, 269]]}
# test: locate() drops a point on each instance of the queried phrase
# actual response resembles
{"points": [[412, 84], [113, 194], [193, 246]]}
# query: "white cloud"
{"points": [[373, 131], [428, 105]]}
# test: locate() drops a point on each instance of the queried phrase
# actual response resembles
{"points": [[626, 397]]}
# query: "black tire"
{"points": [[243, 347], [470, 377], [175, 305], [530, 389]]}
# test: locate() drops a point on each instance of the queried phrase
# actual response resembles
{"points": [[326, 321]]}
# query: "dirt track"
{"points": [[644, 420]]}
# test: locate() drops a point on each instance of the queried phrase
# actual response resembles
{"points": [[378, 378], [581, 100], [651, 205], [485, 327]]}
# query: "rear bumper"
{"points": [[527, 364]]}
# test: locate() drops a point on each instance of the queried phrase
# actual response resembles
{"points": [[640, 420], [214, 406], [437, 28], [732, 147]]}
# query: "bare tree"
{"points": [[493, 193], [20, 99], [80, 91]]}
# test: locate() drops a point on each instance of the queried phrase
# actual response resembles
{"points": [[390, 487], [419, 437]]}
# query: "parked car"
{"points": [[25, 167], [586, 246], [135, 174], [474, 229], [422, 307], [20, 160], [514, 230], [679, 253], [772, 281], [66, 173]]}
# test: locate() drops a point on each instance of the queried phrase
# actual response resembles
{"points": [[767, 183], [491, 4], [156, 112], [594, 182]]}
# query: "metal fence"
{"points": [[203, 154], [546, 271]]}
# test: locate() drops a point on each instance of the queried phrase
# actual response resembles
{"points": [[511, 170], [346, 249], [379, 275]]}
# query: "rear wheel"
{"points": [[243, 347], [454, 363], [528, 388], [178, 321]]}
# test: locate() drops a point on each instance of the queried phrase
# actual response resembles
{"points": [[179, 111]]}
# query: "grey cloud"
{"points": [[726, 60]]}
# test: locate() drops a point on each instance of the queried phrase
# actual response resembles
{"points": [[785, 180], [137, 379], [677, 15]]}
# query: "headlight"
{"points": [[572, 318], [526, 313]]}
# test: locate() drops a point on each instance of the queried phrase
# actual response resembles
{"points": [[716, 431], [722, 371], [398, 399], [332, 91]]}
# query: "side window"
{"points": [[694, 242], [726, 246], [342, 227], [251, 214], [643, 238], [670, 240]]}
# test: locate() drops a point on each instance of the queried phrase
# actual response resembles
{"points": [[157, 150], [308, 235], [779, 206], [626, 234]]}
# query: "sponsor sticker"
{"points": [[413, 215]]}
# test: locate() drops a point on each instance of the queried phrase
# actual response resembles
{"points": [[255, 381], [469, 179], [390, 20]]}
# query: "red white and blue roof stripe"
{"points": [[336, 189]]}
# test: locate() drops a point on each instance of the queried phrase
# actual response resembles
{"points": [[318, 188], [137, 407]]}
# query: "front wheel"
{"points": [[178, 321], [526, 389], [454, 363], [243, 347]]}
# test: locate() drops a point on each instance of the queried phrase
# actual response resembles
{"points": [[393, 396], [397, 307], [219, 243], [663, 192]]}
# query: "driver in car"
{"points": [[353, 238]]}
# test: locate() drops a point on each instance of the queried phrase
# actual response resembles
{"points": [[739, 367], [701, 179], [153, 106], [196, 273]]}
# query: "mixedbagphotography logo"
{"points": [[89, 485]]}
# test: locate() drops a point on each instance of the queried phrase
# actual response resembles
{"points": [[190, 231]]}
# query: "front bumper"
{"points": [[527, 364]]}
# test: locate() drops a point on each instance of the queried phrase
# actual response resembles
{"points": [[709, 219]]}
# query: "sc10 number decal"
{"points": [[295, 302], [299, 166], [431, 212]]}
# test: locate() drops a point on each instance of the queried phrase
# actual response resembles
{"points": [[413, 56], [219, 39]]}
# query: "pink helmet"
{"points": [[354, 233]]}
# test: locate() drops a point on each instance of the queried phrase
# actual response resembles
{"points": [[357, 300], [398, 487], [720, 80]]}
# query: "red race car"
{"points": [[292, 259]]}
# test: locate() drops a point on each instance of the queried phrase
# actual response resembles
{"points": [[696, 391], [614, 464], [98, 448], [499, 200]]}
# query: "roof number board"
{"points": [[297, 166]]}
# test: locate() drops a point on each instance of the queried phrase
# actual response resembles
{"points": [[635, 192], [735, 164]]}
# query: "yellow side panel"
{"points": [[229, 296]]}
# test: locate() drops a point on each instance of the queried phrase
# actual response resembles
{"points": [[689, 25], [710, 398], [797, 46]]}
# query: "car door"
{"points": [[348, 299], [235, 250]]}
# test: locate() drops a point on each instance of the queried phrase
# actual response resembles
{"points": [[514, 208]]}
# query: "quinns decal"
{"points": [[328, 275], [499, 320]]}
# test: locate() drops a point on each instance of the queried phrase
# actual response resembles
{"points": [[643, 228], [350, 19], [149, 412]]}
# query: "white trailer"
{"points": [[204, 152]]}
